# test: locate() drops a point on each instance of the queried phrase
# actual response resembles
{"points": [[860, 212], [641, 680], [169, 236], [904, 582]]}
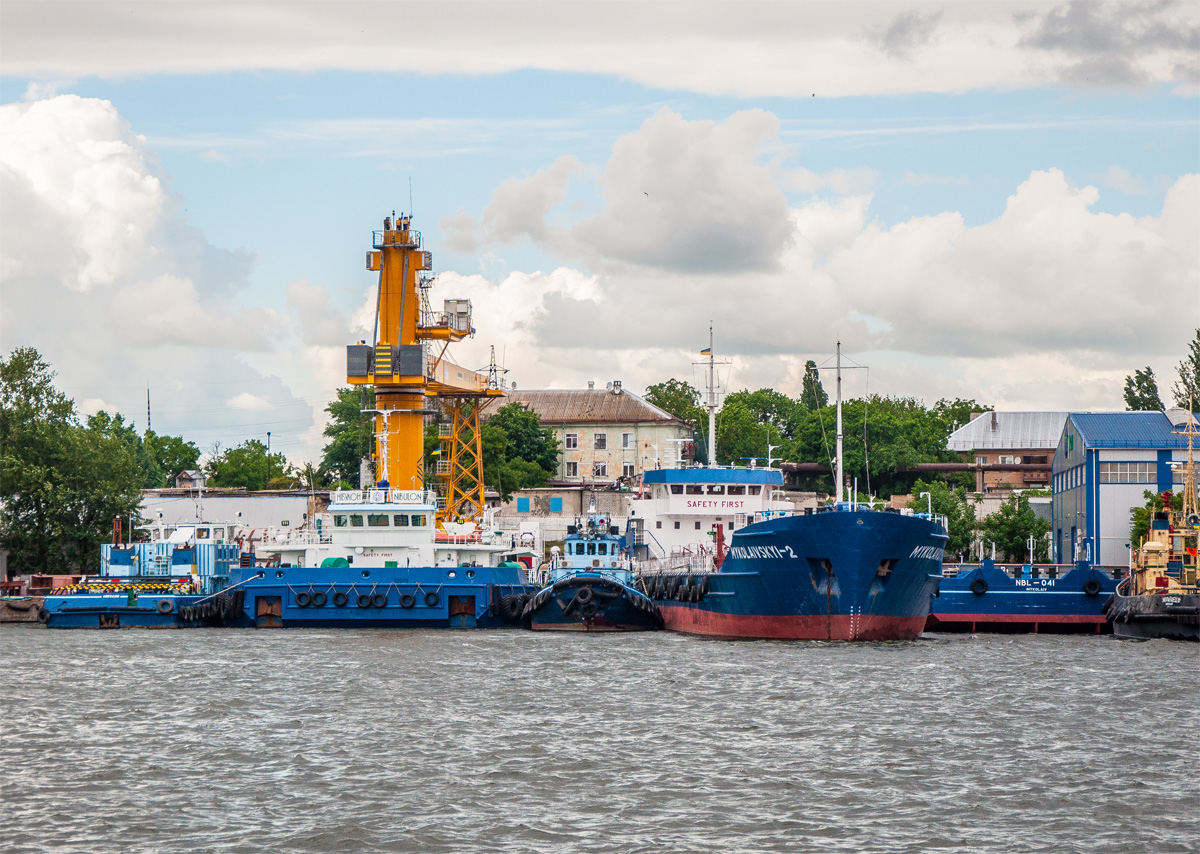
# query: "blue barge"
{"points": [[383, 564], [1027, 598], [590, 587]]}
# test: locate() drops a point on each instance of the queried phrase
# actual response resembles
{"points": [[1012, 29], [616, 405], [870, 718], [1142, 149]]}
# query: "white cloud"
{"points": [[748, 49], [1122, 179]]}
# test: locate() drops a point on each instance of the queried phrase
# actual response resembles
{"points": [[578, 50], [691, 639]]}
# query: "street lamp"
{"points": [[926, 495]]}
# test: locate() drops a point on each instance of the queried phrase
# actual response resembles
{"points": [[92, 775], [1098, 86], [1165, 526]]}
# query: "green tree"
{"points": [[35, 422], [250, 466], [1141, 392], [518, 453], [165, 457], [951, 502], [351, 433], [678, 398], [812, 394], [1010, 528], [770, 407], [1187, 390]]}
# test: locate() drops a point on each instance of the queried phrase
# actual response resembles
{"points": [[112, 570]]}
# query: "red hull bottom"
{"points": [[847, 627]]}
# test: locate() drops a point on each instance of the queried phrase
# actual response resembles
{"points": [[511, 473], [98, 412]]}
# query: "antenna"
{"points": [[410, 209], [147, 407]]}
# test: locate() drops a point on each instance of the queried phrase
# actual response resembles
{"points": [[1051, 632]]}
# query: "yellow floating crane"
{"points": [[406, 372]]}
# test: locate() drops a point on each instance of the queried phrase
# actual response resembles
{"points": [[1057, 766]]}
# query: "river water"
{"points": [[431, 741]]}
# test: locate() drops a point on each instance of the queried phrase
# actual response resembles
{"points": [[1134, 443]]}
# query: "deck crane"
{"points": [[406, 363]]}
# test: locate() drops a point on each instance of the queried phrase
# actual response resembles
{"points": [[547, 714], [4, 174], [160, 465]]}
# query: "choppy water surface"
{"points": [[513, 741]]}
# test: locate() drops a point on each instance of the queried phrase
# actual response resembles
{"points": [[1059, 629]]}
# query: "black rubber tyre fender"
{"points": [[379, 600], [588, 609], [43, 615], [979, 587], [432, 599], [584, 595], [303, 599], [1091, 587], [319, 599], [407, 600], [165, 606], [364, 600], [340, 599]]}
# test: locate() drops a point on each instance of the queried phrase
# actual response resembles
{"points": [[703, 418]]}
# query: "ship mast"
{"points": [[712, 402], [838, 454], [1189, 477]]}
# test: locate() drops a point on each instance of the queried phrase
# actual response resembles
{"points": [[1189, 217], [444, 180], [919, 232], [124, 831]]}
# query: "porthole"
{"points": [[366, 573], [279, 573], [451, 573], [470, 573]]}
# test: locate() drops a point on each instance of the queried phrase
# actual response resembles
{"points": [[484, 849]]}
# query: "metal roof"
{"points": [[1127, 430], [589, 406], [1009, 430]]}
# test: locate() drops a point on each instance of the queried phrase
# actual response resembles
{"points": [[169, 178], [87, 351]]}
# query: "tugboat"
{"points": [[843, 572], [1161, 598], [591, 588]]}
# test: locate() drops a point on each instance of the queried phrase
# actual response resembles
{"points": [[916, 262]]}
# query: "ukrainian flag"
{"points": [[707, 351]]}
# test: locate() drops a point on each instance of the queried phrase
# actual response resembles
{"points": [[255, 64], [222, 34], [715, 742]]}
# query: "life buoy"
{"points": [[364, 600], [319, 599], [340, 599], [407, 600], [432, 599], [584, 595], [379, 600], [165, 606], [303, 600], [1091, 587], [979, 587]]}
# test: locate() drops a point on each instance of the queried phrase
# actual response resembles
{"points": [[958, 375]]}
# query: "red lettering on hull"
{"points": [[698, 621]]}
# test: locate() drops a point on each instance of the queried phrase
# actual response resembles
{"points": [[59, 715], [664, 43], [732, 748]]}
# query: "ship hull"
{"points": [[987, 598], [114, 611], [591, 603], [835, 575], [1170, 616]]}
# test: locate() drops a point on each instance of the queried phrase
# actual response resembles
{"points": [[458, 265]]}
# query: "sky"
{"points": [[998, 201]]}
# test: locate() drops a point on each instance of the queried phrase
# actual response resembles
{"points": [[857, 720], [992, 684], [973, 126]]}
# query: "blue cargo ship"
{"points": [[590, 586], [383, 564], [841, 572], [1029, 598]]}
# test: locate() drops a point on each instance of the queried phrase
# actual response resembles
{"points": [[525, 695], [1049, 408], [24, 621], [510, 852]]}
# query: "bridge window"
{"points": [[202, 533], [400, 520], [356, 521], [601, 548], [716, 489], [694, 489], [377, 520], [591, 548], [339, 520], [579, 548], [418, 521], [755, 490], [677, 489], [734, 489]]}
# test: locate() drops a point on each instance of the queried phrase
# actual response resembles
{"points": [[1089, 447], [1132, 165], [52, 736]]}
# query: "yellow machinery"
{"points": [[406, 376]]}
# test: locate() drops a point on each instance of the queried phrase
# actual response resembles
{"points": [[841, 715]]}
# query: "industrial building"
{"points": [[1104, 465], [1009, 439]]}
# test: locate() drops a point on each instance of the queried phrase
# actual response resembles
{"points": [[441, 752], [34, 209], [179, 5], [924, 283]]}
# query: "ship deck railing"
{"points": [[676, 564], [1037, 570]]}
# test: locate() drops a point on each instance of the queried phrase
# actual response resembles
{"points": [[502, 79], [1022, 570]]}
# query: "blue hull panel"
{"points": [[836, 575], [988, 597], [113, 611], [591, 603]]}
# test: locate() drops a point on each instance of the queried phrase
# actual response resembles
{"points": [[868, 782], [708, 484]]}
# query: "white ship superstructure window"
{"points": [[600, 442], [340, 520], [356, 520], [735, 489], [755, 490], [677, 489], [694, 489], [676, 526], [716, 489], [377, 520], [571, 441], [418, 521], [697, 526], [1128, 473], [400, 520]]}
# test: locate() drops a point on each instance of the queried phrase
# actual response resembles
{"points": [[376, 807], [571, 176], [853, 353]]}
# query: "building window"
{"points": [[626, 440], [599, 469], [981, 461], [572, 469], [600, 441], [1128, 473], [629, 470], [522, 505], [1008, 460], [1178, 475], [555, 505], [571, 441]]}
